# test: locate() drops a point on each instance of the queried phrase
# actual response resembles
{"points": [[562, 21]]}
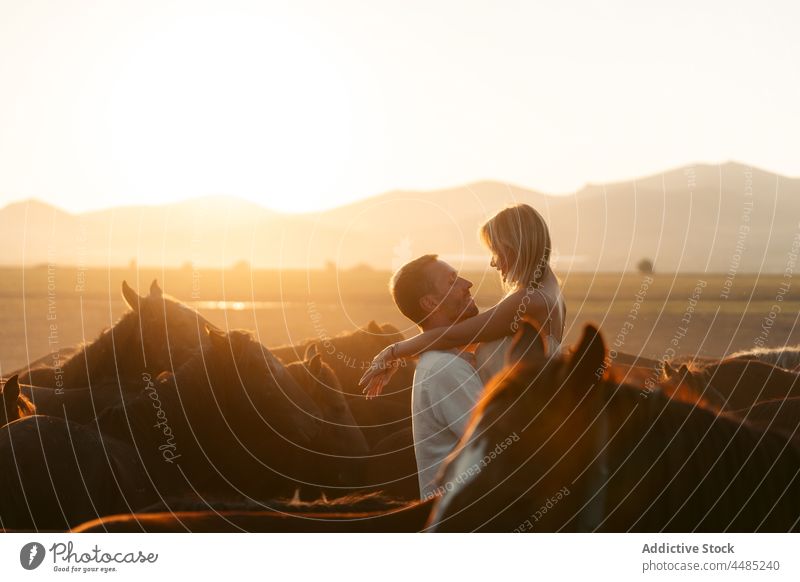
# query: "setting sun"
{"points": [[225, 105]]}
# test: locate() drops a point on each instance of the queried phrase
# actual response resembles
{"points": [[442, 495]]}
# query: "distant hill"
{"points": [[695, 218]]}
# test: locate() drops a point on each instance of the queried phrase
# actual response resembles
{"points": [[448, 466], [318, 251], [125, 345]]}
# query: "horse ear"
{"points": [[374, 328], [11, 393], [155, 290], [389, 329], [684, 371], [590, 355], [218, 338], [668, 370], [314, 365], [527, 344], [131, 297], [311, 351]]}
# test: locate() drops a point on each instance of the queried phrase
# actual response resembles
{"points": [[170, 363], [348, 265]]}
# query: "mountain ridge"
{"points": [[702, 203]]}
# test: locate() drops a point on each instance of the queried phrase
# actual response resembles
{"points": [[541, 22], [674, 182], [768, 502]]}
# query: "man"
{"points": [[446, 386]]}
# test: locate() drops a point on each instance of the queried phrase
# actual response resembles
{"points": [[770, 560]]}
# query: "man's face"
{"points": [[450, 297]]}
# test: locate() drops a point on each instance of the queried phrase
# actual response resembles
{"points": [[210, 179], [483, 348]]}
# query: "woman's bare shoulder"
{"points": [[527, 300]]}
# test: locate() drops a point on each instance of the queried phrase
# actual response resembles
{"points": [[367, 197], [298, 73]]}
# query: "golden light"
{"points": [[220, 105]]}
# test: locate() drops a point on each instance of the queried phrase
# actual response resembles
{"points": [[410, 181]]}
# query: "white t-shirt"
{"points": [[446, 388]]}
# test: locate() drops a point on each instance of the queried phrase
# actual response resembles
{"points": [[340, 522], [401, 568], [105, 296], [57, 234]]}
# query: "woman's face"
{"points": [[501, 262]]}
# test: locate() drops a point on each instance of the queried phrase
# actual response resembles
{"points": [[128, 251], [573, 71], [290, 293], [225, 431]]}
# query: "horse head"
{"points": [[340, 440], [532, 435], [169, 332]]}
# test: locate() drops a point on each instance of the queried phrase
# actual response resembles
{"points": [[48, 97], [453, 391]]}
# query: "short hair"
{"points": [[409, 284]]}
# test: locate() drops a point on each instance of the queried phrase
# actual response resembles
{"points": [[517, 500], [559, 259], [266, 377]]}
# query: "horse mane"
{"points": [[24, 406], [786, 357], [348, 341], [351, 503], [98, 352]]}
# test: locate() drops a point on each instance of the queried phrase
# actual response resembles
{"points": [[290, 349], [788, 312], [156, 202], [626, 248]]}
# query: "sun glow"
{"points": [[224, 106]]}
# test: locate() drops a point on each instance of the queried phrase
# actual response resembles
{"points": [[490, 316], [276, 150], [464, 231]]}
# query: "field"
{"points": [[47, 308]]}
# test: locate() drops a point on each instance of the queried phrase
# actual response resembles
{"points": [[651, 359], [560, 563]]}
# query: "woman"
{"points": [[519, 241]]}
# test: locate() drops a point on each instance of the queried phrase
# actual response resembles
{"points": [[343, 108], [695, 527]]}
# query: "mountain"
{"points": [[720, 218]]}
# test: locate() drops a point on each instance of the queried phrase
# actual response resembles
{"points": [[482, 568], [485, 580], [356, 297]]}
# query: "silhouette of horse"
{"points": [[230, 421], [369, 513], [15, 405], [349, 354], [737, 383], [55, 474], [393, 465], [159, 333], [341, 447], [552, 447]]}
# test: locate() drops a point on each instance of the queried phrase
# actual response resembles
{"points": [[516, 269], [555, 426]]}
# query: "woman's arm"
{"points": [[499, 321], [494, 323]]}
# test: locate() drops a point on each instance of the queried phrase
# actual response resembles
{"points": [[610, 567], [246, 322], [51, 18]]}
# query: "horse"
{"points": [[368, 513], [554, 446], [159, 333], [229, 421], [393, 465], [341, 447], [55, 474], [349, 354], [737, 383], [15, 404]]}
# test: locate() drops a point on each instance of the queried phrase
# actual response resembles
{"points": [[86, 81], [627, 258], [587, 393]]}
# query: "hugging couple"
{"points": [[459, 348]]}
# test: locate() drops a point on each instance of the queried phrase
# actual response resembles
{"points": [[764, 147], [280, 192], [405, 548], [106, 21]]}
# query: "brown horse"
{"points": [[735, 384], [552, 447], [393, 465], [349, 354], [15, 405], [341, 448], [55, 474], [230, 421], [159, 333]]}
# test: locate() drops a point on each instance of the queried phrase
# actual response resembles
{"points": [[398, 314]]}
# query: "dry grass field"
{"points": [[44, 309]]}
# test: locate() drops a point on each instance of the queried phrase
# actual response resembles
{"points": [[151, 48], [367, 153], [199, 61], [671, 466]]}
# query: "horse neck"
{"points": [[102, 354]]}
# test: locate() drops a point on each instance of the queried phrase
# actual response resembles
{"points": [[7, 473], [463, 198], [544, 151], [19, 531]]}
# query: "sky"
{"points": [[307, 105]]}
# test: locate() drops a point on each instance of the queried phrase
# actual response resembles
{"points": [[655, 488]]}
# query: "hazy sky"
{"points": [[301, 105]]}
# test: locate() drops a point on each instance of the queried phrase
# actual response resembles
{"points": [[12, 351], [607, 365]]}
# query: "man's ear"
{"points": [[428, 303]]}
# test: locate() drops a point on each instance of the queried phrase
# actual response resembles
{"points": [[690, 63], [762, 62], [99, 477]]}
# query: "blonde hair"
{"points": [[522, 229]]}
